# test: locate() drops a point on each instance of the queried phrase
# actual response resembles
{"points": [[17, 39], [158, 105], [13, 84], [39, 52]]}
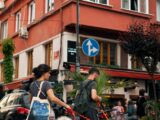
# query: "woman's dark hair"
{"points": [[40, 70]]}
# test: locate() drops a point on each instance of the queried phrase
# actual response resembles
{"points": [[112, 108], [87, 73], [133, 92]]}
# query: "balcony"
{"points": [[103, 16]]}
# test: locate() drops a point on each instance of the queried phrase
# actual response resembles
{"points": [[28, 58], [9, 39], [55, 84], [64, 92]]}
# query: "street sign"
{"points": [[90, 47], [71, 51]]}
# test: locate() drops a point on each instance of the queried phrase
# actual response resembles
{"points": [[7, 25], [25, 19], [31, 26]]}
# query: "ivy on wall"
{"points": [[7, 50]]}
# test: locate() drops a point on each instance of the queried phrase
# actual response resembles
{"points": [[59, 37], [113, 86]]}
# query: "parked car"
{"points": [[15, 106]]}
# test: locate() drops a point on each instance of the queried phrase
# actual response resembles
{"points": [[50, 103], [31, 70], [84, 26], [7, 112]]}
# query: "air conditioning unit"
{"points": [[2, 5], [23, 33]]}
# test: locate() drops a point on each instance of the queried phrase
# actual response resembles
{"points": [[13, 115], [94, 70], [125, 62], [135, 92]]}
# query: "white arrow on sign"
{"points": [[89, 44]]}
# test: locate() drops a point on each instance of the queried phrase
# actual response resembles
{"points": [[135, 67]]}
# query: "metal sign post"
{"points": [[78, 39]]}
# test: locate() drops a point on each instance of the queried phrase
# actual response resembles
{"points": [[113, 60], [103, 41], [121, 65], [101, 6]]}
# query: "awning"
{"points": [[122, 73], [16, 83], [116, 72]]}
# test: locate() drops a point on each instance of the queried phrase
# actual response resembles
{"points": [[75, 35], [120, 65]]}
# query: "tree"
{"points": [[142, 42], [7, 50]]}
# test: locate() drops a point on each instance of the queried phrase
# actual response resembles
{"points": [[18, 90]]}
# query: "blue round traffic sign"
{"points": [[90, 47]]}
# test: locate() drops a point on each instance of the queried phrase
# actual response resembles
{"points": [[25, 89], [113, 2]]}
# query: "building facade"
{"points": [[44, 31]]}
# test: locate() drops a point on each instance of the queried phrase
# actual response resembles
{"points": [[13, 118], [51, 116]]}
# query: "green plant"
{"points": [[7, 50], [103, 82], [58, 87], [106, 85], [151, 108], [77, 76]]}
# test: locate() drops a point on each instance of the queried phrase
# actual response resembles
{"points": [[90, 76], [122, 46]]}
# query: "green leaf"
{"points": [[8, 48]]}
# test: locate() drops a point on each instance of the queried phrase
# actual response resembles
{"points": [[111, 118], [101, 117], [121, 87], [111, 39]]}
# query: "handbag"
{"points": [[40, 108]]}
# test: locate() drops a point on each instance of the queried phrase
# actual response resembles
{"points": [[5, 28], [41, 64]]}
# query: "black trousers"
{"points": [[91, 113]]}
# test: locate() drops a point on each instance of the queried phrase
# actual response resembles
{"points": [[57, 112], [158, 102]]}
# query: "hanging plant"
{"points": [[7, 50]]}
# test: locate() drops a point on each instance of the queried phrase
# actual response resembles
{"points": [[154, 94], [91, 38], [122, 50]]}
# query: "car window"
{"points": [[26, 101], [13, 99], [4, 101]]}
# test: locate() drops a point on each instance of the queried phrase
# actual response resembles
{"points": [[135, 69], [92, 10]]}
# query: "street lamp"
{"points": [[78, 39]]}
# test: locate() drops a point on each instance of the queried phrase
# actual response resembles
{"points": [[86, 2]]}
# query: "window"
{"points": [[158, 10], [4, 30], [25, 100], [30, 62], [136, 5], [103, 1], [13, 100], [107, 54], [31, 12], [136, 64], [100, 1], [143, 6], [125, 4], [49, 5], [16, 68], [4, 101], [18, 21], [2, 72], [48, 54], [113, 54]]}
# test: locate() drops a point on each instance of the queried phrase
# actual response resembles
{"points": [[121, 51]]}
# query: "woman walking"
{"points": [[41, 92]]}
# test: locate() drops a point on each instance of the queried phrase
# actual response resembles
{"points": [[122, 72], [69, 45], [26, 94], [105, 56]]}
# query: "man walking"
{"points": [[90, 86], [140, 104]]}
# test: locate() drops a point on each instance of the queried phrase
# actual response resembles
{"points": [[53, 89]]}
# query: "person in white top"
{"points": [[118, 112], [119, 108]]}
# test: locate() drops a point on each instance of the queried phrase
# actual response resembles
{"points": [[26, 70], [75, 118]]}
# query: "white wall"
{"points": [[23, 65], [120, 91], [67, 37], [129, 62], [56, 47], [141, 85], [38, 55]]}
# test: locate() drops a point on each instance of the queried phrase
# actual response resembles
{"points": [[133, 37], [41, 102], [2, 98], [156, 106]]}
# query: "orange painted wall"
{"points": [[107, 17], [100, 16], [8, 2], [40, 8]]}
